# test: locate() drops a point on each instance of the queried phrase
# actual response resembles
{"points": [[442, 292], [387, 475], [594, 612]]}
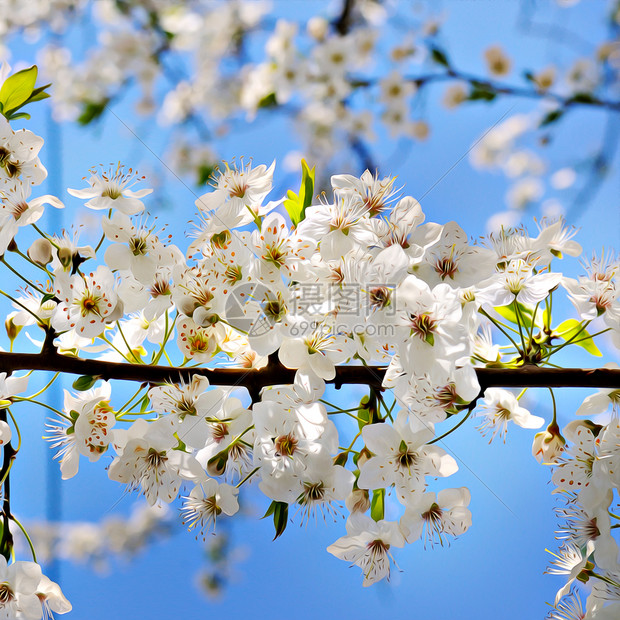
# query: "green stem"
{"points": [[115, 348], [465, 417], [247, 477], [42, 389], [611, 582], [38, 402], [19, 435], [45, 236], [120, 331], [25, 533], [499, 326], [554, 421], [21, 305], [130, 401], [518, 316], [19, 275]]}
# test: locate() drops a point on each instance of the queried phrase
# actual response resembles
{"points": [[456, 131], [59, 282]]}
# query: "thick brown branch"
{"points": [[8, 454], [275, 374]]}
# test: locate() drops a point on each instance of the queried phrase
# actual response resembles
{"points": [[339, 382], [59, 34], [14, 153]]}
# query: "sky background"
{"points": [[496, 568]]}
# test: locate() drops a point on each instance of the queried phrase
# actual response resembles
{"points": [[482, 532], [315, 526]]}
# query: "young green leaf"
{"points": [[17, 88], [85, 382], [571, 329], [510, 314], [377, 505], [279, 510], [296, 204]]}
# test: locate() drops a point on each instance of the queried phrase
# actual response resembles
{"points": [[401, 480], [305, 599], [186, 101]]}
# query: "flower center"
{"points": [[379, 297], [221, 240], [377, 547], [219, 431], [406, 458], [90, 304], [423, 326], [19, 209], [12, 168], [446, 397], [313, 492], [446, 267], [112, 191], [138, 246], [6, 594], [286, 445], [154, 459]]}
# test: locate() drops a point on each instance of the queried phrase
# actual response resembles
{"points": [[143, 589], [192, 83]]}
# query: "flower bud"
{"points": [[65, 256], [358, 501], [5, 433], [341, 459], [548, 445], [11, 329], [498, 63], [40, 251], [364, 456], [317, 28]]}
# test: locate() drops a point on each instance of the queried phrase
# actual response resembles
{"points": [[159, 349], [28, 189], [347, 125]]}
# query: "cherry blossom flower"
{"points": [[18, 587], [19, 162], [401, 457], [147, 459], [88, 302], [238, 195], [433, 515], [52, 599], [367, 544], [111, 191], [498, 408], [570, 561], [206, 502]]}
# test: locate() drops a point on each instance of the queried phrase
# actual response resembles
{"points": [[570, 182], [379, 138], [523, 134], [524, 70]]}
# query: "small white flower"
{"points": [[206, 502], [368, 545], [500, 407], [111, 191]]}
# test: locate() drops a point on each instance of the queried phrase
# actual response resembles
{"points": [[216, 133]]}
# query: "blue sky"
{"points": [[495, 569]]}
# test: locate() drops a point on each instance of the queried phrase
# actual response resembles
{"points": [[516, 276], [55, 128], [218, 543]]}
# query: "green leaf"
{"points": [[529, 76], [92, 110], [268, 101], [279, 510], [38, 94], [296, 204], [481, 92], [85, 382], [363, 413], [584, 98], [570, 328], [439, 56], [17, 88], [551, 117], [509, 313], [144, 403], [377, 505], [14, 117], [204, 174]]}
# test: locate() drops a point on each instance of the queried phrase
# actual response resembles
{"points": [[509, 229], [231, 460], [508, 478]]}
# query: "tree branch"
{"points": [[277, 374]]}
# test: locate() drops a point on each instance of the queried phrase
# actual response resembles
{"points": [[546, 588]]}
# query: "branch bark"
{"points": [[277, 374]]}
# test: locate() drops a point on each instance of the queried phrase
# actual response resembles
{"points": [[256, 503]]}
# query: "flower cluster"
{"points": [[294, 288], [347, 75]]}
